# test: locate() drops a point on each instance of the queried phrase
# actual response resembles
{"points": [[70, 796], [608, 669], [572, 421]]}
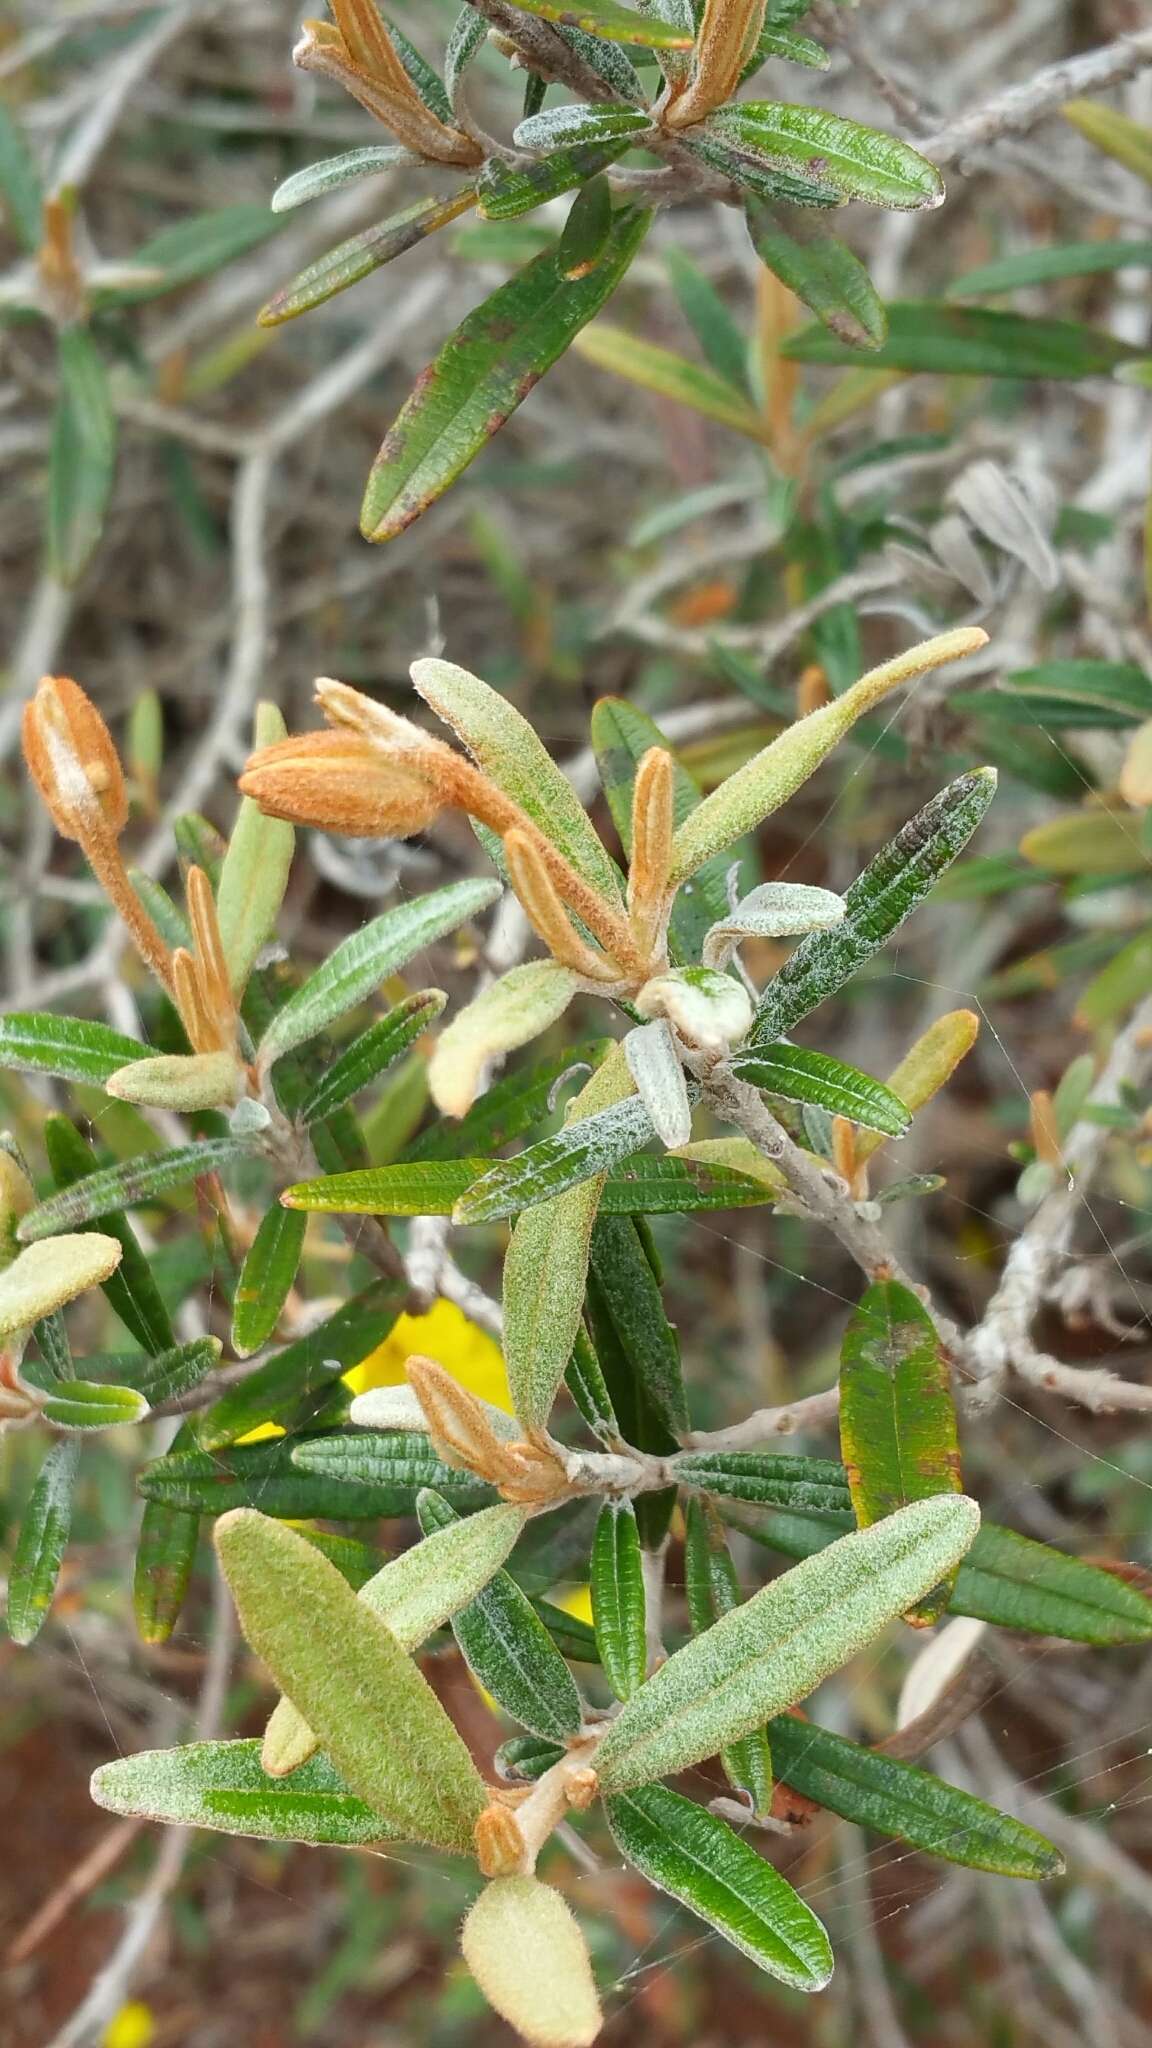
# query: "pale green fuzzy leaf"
{"points": [[518, 1007], [765, 782], [569, 123], [654, 1065], [41, 1543], [92, 1404], [255, 871], [182, 1081], [221, 1785], [581, 1152], [45, 1276], [546, 1267], [784, 1642], [696, 1857], [355, 969], [75, 1048], [529, 1958], [469, 34], [502, 743], [776, 910], [315, 180], [414, 1594], [618, 1604], [379, 1721]]}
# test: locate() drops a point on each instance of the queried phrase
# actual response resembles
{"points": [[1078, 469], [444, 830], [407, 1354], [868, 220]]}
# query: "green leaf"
{"points": [[82, 457], [897, 1416], [129, 1185], [432, 1187], [615, 24], [74, 1048], [618, 1606], [713, 1589], [821, 270], [1117, 134], [1088, 842], [266, 1278], [483, 373], [131, 1289], [588, 228], [798, 1075], [90, 1404], [876, 904], [973, 341], [575, 1154], [163, 1377], [1065, 693], [670, 376], [770, 1479], [333, 172], [1006, 1579], [508, 1649], [414, 1594], [198, 246], [689, 1853], [255, 872], [20, 187], [370, 1055], [165, 1556], [784, 1641], [621, 736], [358, 257], [896, 1798], [41, 1543], [510, 1106], [273, 1392], [724, 345], [791, 49], [356, 967], [608, 60], [221, 1785], [1043, 265], [525, 1758], [505, 191], [859, 163], [377, 1718], [394, 1464], [571, 124], [753, 173], [626, 1295], [469, 34], [585, 1382]]}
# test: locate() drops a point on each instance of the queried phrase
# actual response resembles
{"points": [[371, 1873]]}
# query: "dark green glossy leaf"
{"points": [[589, 1388], [647, 1185], [587, 230], [483, 373], [221, 1785], [393, 1464], [876, 904], [266, 1476], [41, 1542], [858, 162], [688, 1852], [524, 1758], [752, 172], [713, 1589], [165, 1556], [770, 1479], [505, 191], [628, 1298], [973, 341], [75, 1048], [618, 1605], [372, 1053], [798, 1075], [131, 1289], [821, 270], [266, 1278], [273, 1392], [127, 1186]]}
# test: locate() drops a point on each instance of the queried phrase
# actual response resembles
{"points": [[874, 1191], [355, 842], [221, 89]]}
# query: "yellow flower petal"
{"points": [[132, 2027], [446, 1335]]}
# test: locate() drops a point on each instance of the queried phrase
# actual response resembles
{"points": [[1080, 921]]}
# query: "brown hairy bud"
{"points": [[498, 1842], [360, 56], [73, 762], [343, 783], [546, 913], [581, 1788], [653, 824]]}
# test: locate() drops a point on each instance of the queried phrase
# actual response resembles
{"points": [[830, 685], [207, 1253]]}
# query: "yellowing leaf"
{"points": [[530, 1960]]}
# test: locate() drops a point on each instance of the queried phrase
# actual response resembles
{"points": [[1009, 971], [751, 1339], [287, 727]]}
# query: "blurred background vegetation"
{"points": [[703, 513]]}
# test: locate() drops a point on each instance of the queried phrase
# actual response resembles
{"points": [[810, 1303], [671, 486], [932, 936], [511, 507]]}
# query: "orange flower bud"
{"points": [[73, 762], [342, 783]]}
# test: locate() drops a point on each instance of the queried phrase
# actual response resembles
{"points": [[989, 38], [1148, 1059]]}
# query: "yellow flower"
{"points": [[445, 1334], [132, 2027]]}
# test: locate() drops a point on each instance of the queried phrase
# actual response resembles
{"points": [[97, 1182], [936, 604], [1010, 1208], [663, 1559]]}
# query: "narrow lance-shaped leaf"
{"points": [[414, 1594], [358, 965], [127, 1186], [570, 124], [20, 188], [130, 1288], [503, 743], [370, 1055], [580, 1152], [642, 1185], [670, 375], [618, 1605], [529, 1958], [505, 191], [696, 1857], [799, 1075], [621, 736], [773, 911], [266, 1278], [509, 1012], [344, 1480], [378, 1719], [221, 1785], [898, 1799], [897, 1416], [821, 270], [877, 903], [860, 163], [483, 373], [654, 1065], [546, 1267], [274, 1390], [925, 1068], [627, 1293], [713, 1589], [88, 1404], [767, 1479], [395, 1463], [165, 1555], [588, 228], [41, 1543], [783, 1642], [772, 776], [315, 180], [358, 257], [508, 1649], [973, 341], [74, 1048], [255, 871], [616, 24], [82, 457]]}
